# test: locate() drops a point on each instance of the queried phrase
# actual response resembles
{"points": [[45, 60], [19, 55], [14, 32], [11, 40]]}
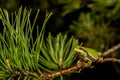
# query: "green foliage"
{"points": [[58, 53], [70, 6], [19, 53], [96, 26], [92, 28], [23, 57]]}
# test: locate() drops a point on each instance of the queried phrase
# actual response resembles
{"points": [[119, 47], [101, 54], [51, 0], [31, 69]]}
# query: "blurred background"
{"points": [[95, 23]]}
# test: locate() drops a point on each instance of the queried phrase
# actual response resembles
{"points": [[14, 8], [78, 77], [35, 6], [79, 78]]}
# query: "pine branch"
{"points": [[109, 51], [65, 71], [77, 66], [114, 48], [101, 60], [19, 53]]}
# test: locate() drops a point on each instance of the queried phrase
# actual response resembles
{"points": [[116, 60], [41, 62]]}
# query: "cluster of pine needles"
{"points": [[26, 55]]}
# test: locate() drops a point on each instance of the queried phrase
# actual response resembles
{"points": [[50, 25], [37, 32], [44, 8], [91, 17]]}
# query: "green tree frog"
{"points": [[88, 54]]}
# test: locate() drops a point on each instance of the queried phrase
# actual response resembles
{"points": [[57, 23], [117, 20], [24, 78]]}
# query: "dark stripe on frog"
{"points": [[89, 56]]}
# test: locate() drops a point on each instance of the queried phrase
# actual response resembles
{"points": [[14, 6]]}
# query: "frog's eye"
{"points": [[80, 51]]}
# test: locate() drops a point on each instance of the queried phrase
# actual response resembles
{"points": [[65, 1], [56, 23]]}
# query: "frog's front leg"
{"points": [[87, 61]]}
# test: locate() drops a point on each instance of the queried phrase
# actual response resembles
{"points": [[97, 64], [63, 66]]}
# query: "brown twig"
{"points": [[80, 65], [111, 60], [101, 60], [111, 50], [48, 76], [45, 76]]}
